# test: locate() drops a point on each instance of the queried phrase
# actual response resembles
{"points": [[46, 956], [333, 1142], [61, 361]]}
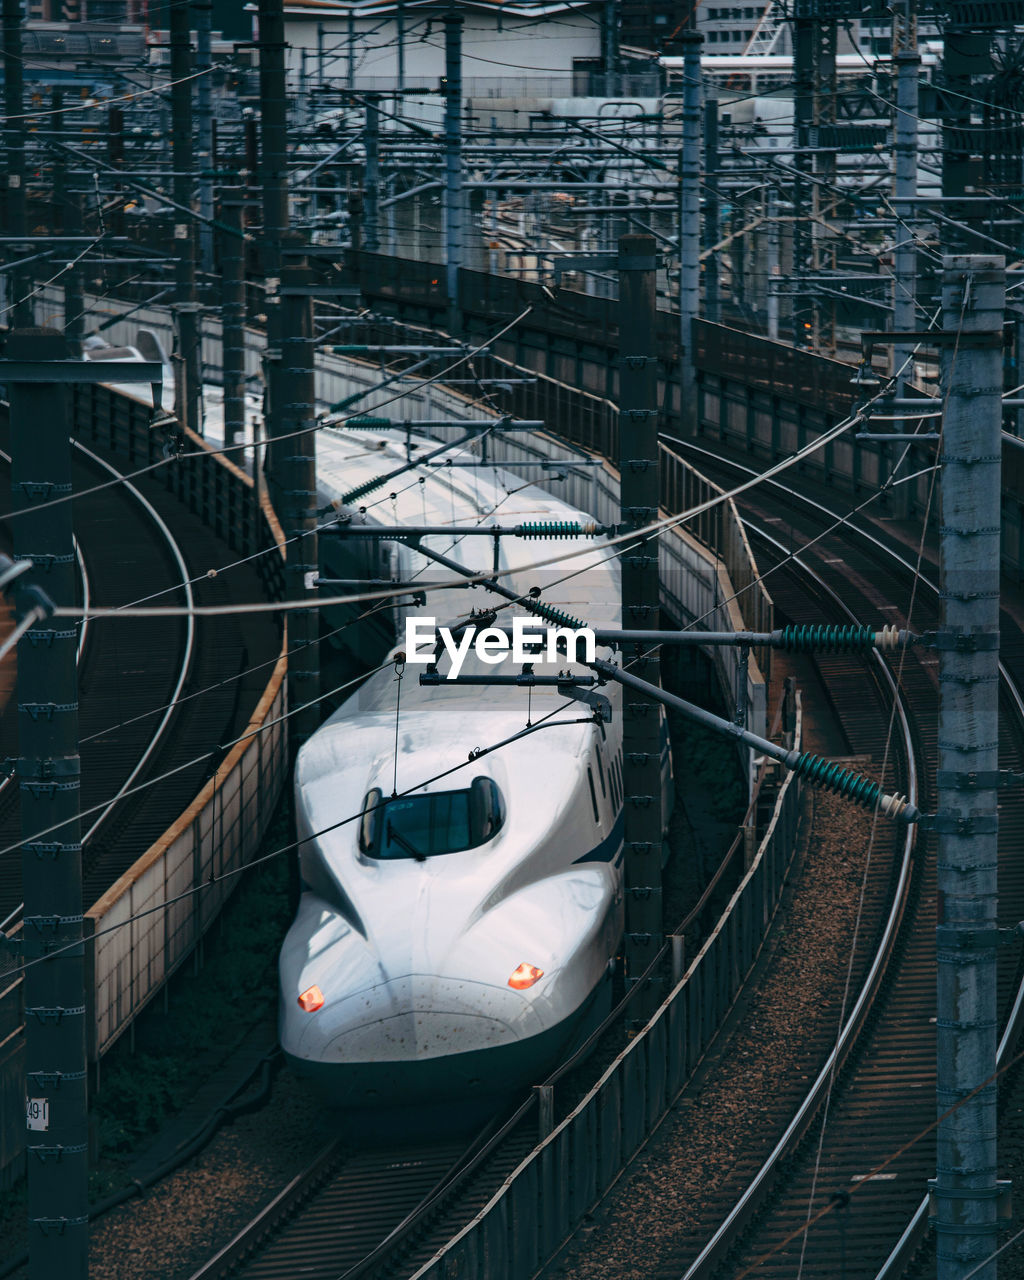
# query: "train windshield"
{"points": [[424, 826]]}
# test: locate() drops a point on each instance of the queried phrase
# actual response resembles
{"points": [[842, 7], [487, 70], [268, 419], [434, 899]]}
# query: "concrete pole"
{"points": [[904, 187], [774, 267], [400, 35], [186, 310], [453, 162], [712, 209], [19, 281], [639, 498], [803, 106], [293, 468], [49, 782], [689, 226], [204, 113], [232, 263], [371, 182], [965, 1187]]}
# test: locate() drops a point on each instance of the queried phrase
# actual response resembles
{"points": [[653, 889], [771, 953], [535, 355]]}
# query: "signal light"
{"points": [[311, 999], [525, 975]]}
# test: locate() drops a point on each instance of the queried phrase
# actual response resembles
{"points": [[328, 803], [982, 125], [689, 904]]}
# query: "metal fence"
{"points": [[152, 918], [568, 1173]]}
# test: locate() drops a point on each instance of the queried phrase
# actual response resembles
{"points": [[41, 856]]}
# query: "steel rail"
{"points": [[914, 1232], [723, 1239], [14, 917], [186, 662]]}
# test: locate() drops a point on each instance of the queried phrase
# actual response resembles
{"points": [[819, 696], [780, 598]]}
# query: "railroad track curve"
{"points": [[886, 1098]]}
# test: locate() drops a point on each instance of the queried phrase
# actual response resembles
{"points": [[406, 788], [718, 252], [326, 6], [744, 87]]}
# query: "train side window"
{"points": [[600, 774], [593, 795], [369, 826]]}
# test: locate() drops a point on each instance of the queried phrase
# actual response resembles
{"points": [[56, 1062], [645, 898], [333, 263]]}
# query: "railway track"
{"points": [[885, 1097], [154, 694]]}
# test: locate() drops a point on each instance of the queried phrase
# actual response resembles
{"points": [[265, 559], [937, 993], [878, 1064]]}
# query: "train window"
{"points": [[423, 826], [600, 774], [593, 795]]}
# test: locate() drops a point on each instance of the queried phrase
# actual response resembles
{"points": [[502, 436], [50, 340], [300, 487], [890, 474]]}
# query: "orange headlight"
{"points": [[525, 975], [311, 999]]}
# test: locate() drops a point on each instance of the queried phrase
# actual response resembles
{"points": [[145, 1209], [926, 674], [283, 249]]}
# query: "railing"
{"points": [[570, 1170]]}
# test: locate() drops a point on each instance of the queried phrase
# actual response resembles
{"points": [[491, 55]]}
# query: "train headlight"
{"points": [[313, 998], [523, 976]]}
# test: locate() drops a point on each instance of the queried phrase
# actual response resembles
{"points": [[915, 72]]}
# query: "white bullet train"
{"points": [[461, 933]]}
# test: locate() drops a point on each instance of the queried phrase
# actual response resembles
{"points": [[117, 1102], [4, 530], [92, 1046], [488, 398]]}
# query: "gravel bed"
{"points": [[716, 1130], [177, 1225]]}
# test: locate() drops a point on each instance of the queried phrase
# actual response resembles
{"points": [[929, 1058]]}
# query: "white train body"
{"points": [[422, 924]]}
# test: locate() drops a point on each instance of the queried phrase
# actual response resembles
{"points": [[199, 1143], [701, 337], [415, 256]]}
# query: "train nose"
{"points": [[420, 1037]]}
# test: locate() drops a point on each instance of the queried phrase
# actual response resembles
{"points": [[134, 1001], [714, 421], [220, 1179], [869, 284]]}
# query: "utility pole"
{"points": [[904, 188], [18, 280], [689, 225], [204, 111], [371, 183], [232, 265], [712, 212], [37, 371], [453, 163], [67, 205], [186, 310], [639, 499], [774, 267], [803, 110], [51, 862], [115, 158], [292, 446], [965, 1189], [400, 36], [274, 166]]}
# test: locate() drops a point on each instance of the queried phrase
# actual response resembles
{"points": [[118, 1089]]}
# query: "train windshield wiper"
{"points": [[396, 837]]}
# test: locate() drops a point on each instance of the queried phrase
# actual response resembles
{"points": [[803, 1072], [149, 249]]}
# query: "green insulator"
{"points": [[551, 529], [366, 423], [827, 639], [556, 616], [833, 777], [360, 491]]}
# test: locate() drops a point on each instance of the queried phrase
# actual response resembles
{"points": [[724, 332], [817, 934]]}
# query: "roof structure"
{"points": [[373, 8]]}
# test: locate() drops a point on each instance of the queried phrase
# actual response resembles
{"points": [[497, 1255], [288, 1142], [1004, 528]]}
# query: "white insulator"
{"points": [[887, 638], [891, 806], [590, 528]]}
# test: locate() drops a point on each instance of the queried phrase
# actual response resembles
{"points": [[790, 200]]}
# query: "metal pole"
{"points": [[232, 262], [689, 225], [371, 182], [904, 188], [49, 780], [711, 205], [400, 33], [204, 111], [965, 1187], [803, 105], [274, 175], [14, 145], [115, 157], [351, 47], [186, 363], [453, 161], [293, 458], [639, 498], [774, 268], [274, 136]]}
